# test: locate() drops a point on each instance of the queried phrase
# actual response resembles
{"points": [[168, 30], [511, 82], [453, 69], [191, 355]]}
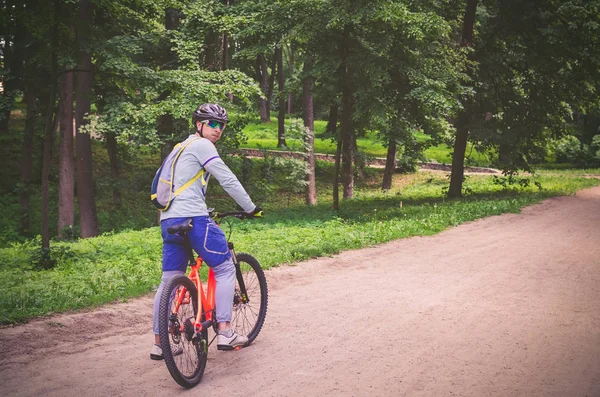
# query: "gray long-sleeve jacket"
{"points": [[191, 202]]}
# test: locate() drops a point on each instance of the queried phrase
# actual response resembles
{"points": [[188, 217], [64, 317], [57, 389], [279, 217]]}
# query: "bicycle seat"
{"points": [[183, 227]]}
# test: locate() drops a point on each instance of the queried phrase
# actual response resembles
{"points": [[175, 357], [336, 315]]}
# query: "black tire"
{"points": [[248, 318], [188, 366]]}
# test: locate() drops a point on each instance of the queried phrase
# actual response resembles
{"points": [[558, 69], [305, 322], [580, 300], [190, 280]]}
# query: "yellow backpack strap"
{"points": [[194, 179], [189, 183]]}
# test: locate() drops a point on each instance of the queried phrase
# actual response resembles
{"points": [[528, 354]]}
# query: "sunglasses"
{"points": [[215, 124]]}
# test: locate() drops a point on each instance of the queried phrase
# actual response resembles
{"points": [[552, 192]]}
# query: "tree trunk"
{"points": [[13, 57], [85, 179], [462, 121], [309, 123], [347, 147], [165, 124], [66, 176], [358, 161], [271, 84], [458, 156], [336, 175], [390, 165], [225, 50], [214, 45], [504, 151], [225, 44], [27, 158], [165, 128], [49, 127], [291, 65], [346, 125], [111, 148], [46, 164], [332, 121], [263, 79], [281, 83]]}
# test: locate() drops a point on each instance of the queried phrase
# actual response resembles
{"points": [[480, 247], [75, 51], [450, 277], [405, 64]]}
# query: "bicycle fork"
{"points": [[238, 274]]}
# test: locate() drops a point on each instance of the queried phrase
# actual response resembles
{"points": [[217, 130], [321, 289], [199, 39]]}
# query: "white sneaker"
{"points": [[233, 342], [156, 352]]}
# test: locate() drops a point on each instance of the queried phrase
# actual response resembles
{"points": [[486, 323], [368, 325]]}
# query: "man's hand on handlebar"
{"points": [[256, 213]]}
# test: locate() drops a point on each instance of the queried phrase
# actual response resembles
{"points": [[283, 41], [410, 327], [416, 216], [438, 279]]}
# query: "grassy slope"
{"points": [[264, 136]]}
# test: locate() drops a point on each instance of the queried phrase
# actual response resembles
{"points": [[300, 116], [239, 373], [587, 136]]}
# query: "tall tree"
{"points": [[281, 96], [66, 173], [462, 121], [49, 128], [262, 76], [309, 124], [85, 180], [347, 126], [390, 164], [27, 158], [12, 50]]}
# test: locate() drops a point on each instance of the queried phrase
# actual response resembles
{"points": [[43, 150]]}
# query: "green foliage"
{"points": [[270, 175], [511, 181], [569, 149], [533, 69]]}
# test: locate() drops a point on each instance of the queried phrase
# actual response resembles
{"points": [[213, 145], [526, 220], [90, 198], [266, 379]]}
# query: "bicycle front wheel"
{"points": [[251, 297], [185, 353]]}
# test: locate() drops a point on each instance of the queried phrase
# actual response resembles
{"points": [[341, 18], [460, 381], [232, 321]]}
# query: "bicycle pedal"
{"points": [[228, 348]]}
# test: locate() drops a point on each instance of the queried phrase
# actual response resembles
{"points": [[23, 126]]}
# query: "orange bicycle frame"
{"points": [[206, 301]]}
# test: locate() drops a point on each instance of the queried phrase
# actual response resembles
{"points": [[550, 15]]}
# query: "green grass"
{"points": [[118, 266], [264, 136]]}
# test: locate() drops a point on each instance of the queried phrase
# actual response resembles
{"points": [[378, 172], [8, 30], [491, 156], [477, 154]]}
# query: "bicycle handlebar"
{"points": [[218, 216]]}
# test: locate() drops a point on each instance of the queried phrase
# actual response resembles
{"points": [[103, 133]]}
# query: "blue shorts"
{"points": [[207, 239]]}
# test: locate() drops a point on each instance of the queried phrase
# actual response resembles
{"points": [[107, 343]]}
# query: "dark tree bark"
{"points": [[281, 83], [291, 66], [336, 175], [212, 56], [27, 158], [46, 164], [13, 57], [309, 122], [390, 165], [271, 84], [49, 127], [66, 175], [262, 76], [504, 151], [225, 44], [111, 148], [357, 161], [164, 127], [462, 121], [347, 146], [332, 129], [332, 120], [225, 51], [347, 131], [85, 178]]}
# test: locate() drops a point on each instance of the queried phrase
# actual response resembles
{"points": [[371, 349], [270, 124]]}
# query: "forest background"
{"points": [[94, 93]]}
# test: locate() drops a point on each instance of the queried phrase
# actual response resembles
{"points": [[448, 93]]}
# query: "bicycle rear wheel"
{"points": [[185, 354], [249, 313]]}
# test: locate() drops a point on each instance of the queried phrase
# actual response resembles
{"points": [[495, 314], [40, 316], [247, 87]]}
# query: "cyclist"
{"points": [[207, 239]]}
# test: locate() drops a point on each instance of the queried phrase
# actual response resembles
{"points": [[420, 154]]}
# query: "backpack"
{"points": [[161, 193]]}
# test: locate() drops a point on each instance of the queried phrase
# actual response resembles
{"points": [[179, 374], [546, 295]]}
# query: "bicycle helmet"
{"points": [[210, 111]]}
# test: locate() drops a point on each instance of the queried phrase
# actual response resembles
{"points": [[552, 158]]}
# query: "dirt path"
{"points": [[505, 306]]}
